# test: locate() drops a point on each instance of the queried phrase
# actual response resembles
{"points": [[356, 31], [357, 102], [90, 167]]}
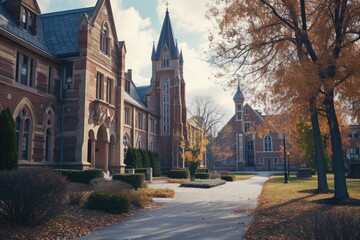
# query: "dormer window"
{"points": [[28, 21], [165, 62], [105, 40]]}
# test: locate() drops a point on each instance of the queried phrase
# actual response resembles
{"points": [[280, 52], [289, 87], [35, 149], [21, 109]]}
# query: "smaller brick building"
{"points": [[247, 149]]}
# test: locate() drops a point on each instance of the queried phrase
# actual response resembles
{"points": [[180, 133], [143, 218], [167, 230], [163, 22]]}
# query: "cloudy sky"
{"points": [[139, 22]]}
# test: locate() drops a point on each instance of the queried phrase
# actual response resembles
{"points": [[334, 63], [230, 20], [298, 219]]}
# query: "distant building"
{"points": [[63, 77], [245, 148], [353, 149]]}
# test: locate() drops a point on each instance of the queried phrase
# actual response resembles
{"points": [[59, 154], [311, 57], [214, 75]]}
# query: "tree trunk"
{"points": [[319, 154], [336, 145]]}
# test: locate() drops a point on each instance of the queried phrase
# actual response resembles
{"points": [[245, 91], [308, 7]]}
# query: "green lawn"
{"points": [[284, 210]]}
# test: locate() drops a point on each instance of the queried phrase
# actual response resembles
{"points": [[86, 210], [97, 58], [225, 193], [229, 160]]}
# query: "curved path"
{"points": [[216, 213]]}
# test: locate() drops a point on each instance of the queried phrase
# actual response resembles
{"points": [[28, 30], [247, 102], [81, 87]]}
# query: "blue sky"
{"points": [[139, 22]]}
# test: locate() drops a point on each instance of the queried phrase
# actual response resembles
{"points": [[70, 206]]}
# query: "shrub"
{"points": [[339, 225], [202, 175], [224, 172], [155, 164], [179, 173], [140, 170], [81, 176], [77, 193], [113, 203], [228, 178], [8, 155], [138, 158], [136, 180], [104, 185], [138, 199], [31, 196], [202, 170], [130, 158], [145, 158]]}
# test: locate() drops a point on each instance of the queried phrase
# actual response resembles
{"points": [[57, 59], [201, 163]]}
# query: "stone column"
{"points": [[92, 154], [106, 156]]}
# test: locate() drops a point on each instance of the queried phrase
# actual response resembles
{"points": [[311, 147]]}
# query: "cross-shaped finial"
{"points": [[167, 5]]}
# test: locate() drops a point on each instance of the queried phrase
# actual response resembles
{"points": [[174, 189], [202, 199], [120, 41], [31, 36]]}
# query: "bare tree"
{"points": [[208, 113]]}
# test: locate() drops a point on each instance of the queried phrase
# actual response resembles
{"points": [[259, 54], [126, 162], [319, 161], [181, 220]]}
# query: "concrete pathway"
{"points": [[216, 213]]}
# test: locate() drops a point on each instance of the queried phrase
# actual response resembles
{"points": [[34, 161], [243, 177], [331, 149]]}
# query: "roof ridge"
{"points": [[66, 12]]}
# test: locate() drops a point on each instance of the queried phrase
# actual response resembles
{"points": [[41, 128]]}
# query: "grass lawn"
{"points": [[287, 211], [243, 176]]}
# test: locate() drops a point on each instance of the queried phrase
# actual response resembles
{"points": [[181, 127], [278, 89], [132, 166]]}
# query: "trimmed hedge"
{"points": [[109, 202], [81, 176], [201, 175], [202, 170], [136, 180], [228, 178], [203, 183], [179, 173]]}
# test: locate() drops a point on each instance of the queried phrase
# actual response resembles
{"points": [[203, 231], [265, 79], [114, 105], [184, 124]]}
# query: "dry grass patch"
{"points": [[239, 177], [157, 192], [177, 180], [286, 211]]}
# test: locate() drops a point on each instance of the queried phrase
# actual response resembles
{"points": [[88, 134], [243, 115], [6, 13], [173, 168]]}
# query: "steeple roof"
{"points": [[167, 38], [238, 95]]}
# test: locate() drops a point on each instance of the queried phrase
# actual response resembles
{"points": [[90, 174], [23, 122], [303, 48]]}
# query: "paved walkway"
{"points": [[193, 214]]}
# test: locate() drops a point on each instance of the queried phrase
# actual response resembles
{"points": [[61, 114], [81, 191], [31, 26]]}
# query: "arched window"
{"points": [[105, 40], [165, 61], [23, 134], [49, 135], [166, 105], [267, 143], [126, 144], [139, 143]]}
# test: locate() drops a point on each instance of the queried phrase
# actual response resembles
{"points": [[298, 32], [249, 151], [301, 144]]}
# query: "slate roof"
{"points": [[8, 25], [61, 30], [142, 92], [238, 95], [167, 38], [58, 32]]}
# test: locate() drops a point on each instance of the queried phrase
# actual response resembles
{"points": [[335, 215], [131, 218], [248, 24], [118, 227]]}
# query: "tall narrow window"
{"points": [[109, 90], [140, 122], [267, 143], [68, 68], [48, 143], [25, 70], [127, 116], [126, 143], [28, 21], [166, 106], [104, 40], [25, 140], [50, 81], [165, 62], [246, 127], [100, 86]]}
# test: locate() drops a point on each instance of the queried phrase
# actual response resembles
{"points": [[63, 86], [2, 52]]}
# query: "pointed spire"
{"points": [[177, 50], [181, 58], [238, 95], [153, 52], [166, 38]]}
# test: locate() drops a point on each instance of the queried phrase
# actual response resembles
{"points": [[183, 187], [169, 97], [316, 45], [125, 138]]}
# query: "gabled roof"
{"points": [[238, 95], [10, 28], [61, 30], [167, 39]]}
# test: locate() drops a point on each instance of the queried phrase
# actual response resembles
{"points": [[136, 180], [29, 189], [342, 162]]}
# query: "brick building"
{"points": [[63, 77], [248, 150]]}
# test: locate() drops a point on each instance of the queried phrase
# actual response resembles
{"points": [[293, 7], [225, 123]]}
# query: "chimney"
{"points": [[129, 74]]}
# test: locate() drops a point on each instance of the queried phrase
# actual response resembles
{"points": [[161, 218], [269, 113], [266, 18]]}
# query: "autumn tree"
{"points": [[210, 115], [317, 40]]}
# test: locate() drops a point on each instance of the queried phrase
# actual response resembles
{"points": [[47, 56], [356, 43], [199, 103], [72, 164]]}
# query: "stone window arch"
{"points": [[105, 39], [165, 105], [24, 133], [165, 60], [268, 143]]}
